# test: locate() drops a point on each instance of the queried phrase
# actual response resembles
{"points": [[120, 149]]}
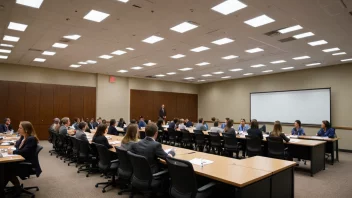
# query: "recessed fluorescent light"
{"points": [[259, 21], [185, 69], [303, 35], [123, 1], [3, 57], [248, 74], [73, 37], [136, 68], [105, 56], [48, 53], [199, 49], [189, 78], [75, 66], [177, 56], [229, 57], [5, 51], [315, 43], [30, 3], [39, 59], [344, 60], [60, 45], [331, 49], [300, 57], [149, 64], [130, 48], [258, 65], [203, 63], [153, 39], [222, 41], [267, 71], [339, 53], [96, 16], [171, 73], [91, 61], [235, 70], [254, 50], [313, 64], [82, 63], [278, 61], [207, 75], [226, 77], [17, 26], [119, 52], [184, 27], [219, 72], [290, 29], [11, 38], [201, 80], [286, 68], [228, 7], [122, 71], [5, 45], [160, 75]]}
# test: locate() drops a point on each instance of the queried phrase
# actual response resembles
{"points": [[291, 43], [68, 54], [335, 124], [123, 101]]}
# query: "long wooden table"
{"points": [[250, 180]]}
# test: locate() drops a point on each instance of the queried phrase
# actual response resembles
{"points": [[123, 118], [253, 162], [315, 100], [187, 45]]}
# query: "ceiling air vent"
{"points": [[65, 40], [150, 77], [136, 6], [273, 33], [287, 39], [35, 50]]}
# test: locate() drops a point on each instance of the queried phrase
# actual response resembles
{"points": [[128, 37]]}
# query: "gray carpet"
{"points": [[60, 181]]}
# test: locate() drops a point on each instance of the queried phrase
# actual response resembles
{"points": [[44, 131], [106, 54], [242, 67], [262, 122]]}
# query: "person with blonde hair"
{"points": [[277, 131], [181, 124], [130, 137]]}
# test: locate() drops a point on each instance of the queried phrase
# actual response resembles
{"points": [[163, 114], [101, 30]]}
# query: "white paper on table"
{"points": [[199, 161], [7, 155], [265, 135], [165, 126], [294, 136], [167, 150], [115, 142], [5, 144], [294, 140]]}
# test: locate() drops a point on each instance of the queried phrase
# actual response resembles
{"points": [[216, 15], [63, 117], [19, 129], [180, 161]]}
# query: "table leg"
{"points": [[332, 154], [337, 150], [2, 174]]}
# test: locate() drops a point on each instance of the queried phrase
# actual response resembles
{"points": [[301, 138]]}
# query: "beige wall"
{"points": [[232, 98]]}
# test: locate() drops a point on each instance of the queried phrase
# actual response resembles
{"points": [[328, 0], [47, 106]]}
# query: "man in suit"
{"points": [[64, 127], [92, 124], [188, 123], [80, 132], [150, 148], [6, 126], [162, 112]]}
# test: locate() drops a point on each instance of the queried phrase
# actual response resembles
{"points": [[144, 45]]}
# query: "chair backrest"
{"points": [[54, 138], [276, 147], [215, 139], [253, 145], [172, 133], [142, 174], [179, 170], [199, 136], [230, 141], [104, 157], [263, 128], [75, 143], [186, 136], [38, 149], [141, 134], [84, 149], [125, 167], [160, 136]]}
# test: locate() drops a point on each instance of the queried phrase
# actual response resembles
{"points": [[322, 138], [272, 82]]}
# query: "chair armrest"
{"points": [[286, 149], [25, 163], [206, 187], [158, 174], [114, 161]]}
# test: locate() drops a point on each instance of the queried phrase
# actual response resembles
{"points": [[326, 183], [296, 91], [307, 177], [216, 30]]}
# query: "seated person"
{"points": [[130, 137], [92, 124], [206, 126], [188, 123], [223, 125], [326, 130], [254, 130], [54, 127], [141, 122], [181, 124], [172, 125], [82, 126], [200, 125], [150, 148], [112, 128], [243, 126], [277, 132], [121, 123], [228, 129], [6, 126], [76, 121], [159, 124], [99, 136], [297, 130], [26, 147], [216, 128], [63, 130], [103, 121]]}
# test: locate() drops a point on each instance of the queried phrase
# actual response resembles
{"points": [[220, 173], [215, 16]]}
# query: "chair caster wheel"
{"points": [[68, 164], [87, 175], [96, 185], [103, 191], [77, 171], [119, 193], [37, 189]]}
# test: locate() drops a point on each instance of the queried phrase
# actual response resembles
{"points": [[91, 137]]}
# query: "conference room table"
{"points": [[253, 177]]}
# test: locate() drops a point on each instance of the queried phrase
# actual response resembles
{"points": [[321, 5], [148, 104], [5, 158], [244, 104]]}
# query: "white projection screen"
{"points": [[309, 106]]}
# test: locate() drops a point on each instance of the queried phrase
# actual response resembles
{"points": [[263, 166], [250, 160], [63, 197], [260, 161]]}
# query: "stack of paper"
{"points": [[294, 140], [294, 136], [115, 142], [200, 161]]}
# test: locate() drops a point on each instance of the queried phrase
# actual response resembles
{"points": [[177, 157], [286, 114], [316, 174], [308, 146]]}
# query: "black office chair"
{"points": [[75, 151], [253, 145], [231, 144], [141, 135], [200, 140], [185, 188], [215, 142], [107, 165], [142, 178], [276, 148], [86, 157], [263, 128], [124, 172], [160, 136], [52, 141], [172, 136], [186, 139]]}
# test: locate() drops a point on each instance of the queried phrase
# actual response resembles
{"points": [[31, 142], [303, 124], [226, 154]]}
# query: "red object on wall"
{"points": [[112, 79]]}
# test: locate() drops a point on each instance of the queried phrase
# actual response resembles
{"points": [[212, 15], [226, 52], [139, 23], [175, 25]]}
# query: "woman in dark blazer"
{"points": [[112, 128], [121, 123], [99, 136], [228, 129], [26, 146], [254, 130]]}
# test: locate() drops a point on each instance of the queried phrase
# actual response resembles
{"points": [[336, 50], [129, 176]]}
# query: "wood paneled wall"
{"points": [[148, 103], [41, 103]]}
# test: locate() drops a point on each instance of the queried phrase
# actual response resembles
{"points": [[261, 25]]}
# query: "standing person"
{"points": [[297, 130], [223, 125], [6, 126], [243, 126], [326, 130], [162, 112]]}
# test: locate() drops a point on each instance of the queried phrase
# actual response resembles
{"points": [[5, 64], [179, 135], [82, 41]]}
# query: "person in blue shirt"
{"points": [[326, 130], [223, 125], [297, 130], [243, 126], [206, 126], [141, 122], [188, 123]]}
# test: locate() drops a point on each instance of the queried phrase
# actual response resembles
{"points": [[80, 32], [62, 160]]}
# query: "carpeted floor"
{"points": [[60, 181]]}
